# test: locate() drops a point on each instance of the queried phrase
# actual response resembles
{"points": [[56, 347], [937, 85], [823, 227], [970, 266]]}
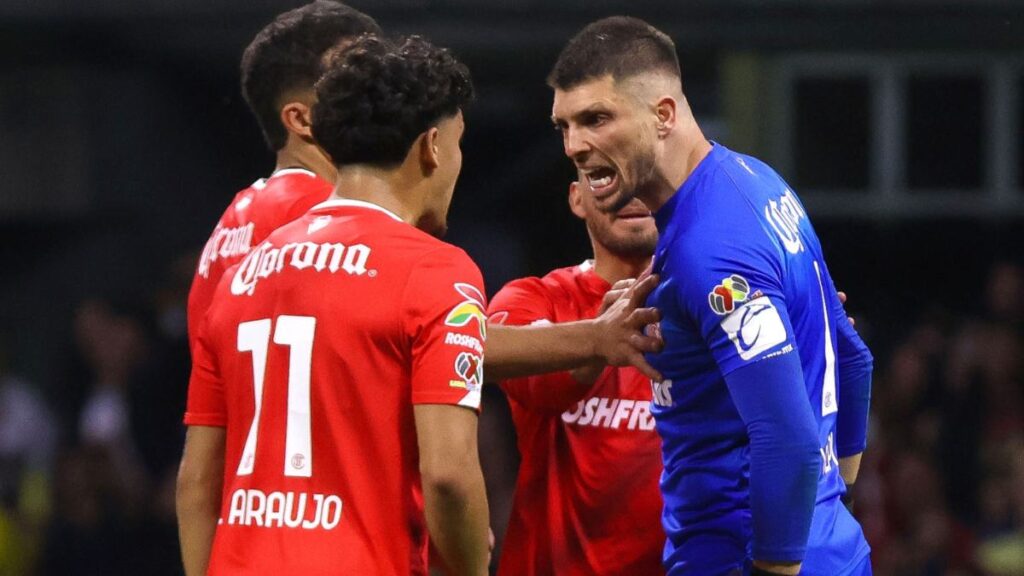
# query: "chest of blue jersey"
{"points": [[742, 279]]}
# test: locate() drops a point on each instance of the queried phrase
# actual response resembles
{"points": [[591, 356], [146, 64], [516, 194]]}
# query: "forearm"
{"points": [[517, 351], [457, 516], [849, 466], [197, 510], [784, 459], [854, 394], [198, 496]]}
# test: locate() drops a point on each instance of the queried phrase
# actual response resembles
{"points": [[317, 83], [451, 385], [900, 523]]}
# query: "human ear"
{"points": [[576, 200], [430, 157], [666, 112], [297, 119]]}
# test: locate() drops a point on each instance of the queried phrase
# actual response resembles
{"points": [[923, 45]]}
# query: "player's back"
{"points": [[253, 214], [324, 338]]}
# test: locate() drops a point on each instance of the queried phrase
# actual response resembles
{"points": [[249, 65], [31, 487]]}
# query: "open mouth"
{"points": [[602, 181]]}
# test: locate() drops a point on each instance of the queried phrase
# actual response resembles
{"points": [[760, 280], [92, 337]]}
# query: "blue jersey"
{"points": [[743, 280]]}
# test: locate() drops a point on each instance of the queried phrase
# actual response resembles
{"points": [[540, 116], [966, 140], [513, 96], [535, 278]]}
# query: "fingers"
{"points": [[638, 361], [842, 296], [641, 317], [623, 284], [640, 289], [852, 321], [646, 344]]}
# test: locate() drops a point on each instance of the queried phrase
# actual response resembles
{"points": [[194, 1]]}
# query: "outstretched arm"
{"points": [[615, 337]]}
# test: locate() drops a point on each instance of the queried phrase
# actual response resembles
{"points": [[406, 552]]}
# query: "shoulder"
{"points": [[289, 187], [550, 286]]}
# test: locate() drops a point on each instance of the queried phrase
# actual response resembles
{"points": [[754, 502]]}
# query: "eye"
{"points": [[595, 119]]}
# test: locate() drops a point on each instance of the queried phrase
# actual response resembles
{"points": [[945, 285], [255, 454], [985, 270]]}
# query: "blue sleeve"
{"points": [[733, 290], [784, 460], [855, 365]]}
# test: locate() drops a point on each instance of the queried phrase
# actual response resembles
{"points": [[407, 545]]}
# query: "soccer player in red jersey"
{"points": [[586, 500], [278, 69], [336, 381]]}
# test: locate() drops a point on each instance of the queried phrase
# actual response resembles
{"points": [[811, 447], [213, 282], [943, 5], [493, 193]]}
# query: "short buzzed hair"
{"points": [[286, 54], [620, 46]]}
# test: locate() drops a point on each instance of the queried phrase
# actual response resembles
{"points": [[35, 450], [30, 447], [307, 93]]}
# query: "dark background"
{"points": [[899, 123]]}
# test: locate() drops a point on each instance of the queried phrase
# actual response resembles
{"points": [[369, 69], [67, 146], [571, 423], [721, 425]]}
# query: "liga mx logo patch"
{"points": [[732, 291], [470, 369]]}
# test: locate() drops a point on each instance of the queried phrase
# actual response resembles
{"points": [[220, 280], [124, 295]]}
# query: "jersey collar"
{"points": [[286, 171], [349, 203]]}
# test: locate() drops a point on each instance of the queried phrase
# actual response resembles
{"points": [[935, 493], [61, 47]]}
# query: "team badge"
{"points": [[469, 309], [732, 291], [470, 369]]}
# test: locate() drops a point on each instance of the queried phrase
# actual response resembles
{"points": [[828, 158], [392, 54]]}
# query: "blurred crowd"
{"points": [[87, 472]]}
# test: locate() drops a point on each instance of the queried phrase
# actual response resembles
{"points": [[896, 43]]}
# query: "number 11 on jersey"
{"points": [[296, 332]]}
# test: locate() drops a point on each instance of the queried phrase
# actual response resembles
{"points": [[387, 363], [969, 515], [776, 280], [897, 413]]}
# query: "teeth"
{"points": [[601, 182]]}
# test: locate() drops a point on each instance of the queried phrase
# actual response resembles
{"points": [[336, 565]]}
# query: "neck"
{"points": [[683, 150], [377, 186], [614, 267], [297, 154]]}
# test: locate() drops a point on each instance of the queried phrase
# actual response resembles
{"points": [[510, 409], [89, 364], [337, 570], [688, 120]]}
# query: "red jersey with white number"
{"points": [[254, 213], [313, 353], [587, 500]]}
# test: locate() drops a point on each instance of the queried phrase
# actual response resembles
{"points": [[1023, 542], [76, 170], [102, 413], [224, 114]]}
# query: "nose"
{"points": [[575, 145]]}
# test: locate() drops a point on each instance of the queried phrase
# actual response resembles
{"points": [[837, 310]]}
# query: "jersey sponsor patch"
{"points": [[755, 327], [465, 340], [614, 413], [266, 260], [226, 243], [470, 370], [732, 291], [469, 309]]}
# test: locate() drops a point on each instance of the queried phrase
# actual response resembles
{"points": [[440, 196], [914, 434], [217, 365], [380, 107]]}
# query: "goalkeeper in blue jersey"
{"points": [[764, 402]]}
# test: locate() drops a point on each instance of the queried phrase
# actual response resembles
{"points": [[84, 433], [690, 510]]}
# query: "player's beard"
{"points": [[641, 167], [637, 242]]}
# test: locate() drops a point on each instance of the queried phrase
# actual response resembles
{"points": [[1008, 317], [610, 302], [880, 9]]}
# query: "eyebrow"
{"points": [[594, 108]]}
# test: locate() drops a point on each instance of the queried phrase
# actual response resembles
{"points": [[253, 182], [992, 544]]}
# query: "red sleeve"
{"points": [[446, 322], [206, 405], [521, 303]]}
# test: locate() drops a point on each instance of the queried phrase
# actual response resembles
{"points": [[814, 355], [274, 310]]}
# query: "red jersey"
{"points": [[587, 500], [254, 213], [312, 355]]}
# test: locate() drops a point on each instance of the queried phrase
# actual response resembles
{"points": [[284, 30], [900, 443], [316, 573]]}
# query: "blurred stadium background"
{"points": [[123, 136]]}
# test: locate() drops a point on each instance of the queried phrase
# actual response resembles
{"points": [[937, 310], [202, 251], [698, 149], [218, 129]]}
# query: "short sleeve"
{"points": [[447, 324], [526, 302], [732, 288], [206, 404]]}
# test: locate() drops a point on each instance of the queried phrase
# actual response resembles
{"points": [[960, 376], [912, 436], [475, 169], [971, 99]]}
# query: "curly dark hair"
{"points": [[621, 46], [286, 54], [378, 95]]}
